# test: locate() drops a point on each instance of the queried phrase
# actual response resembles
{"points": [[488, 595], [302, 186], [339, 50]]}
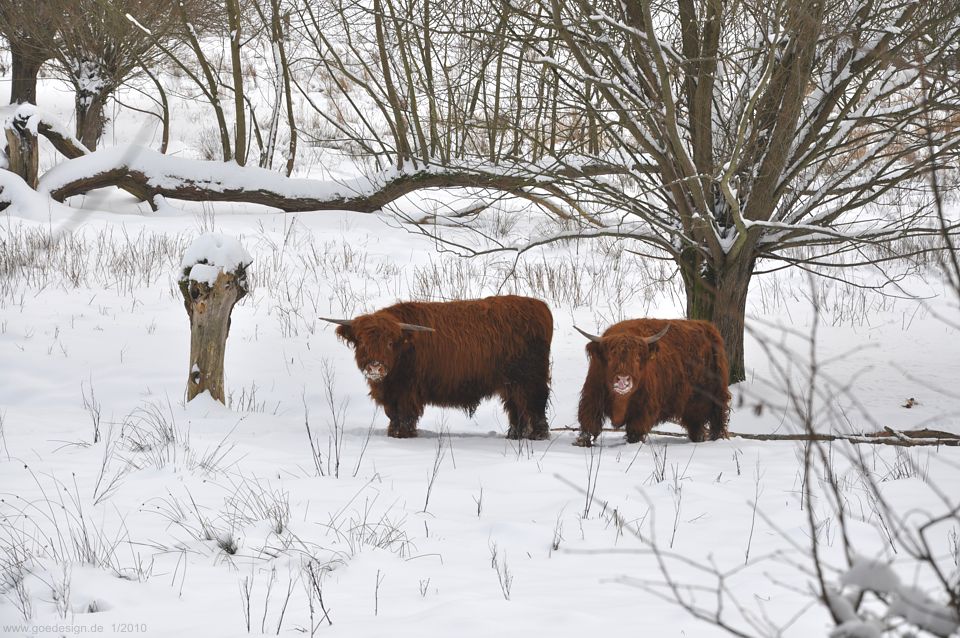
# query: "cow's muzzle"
{"points": [[375, 371], [622, 384]]}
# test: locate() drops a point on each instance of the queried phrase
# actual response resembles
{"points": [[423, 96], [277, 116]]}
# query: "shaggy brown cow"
{"points": [[455, 354], [645, 371]]}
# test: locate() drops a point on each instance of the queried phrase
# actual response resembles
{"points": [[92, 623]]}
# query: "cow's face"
{"points": [[626, 360], [378, 342], [624, 357]]}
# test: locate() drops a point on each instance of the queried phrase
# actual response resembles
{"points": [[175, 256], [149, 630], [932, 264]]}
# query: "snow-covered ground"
{"points": [[199, 519]]}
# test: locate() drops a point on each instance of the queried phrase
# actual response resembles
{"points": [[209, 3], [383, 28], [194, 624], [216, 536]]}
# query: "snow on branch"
{"points": [[150, 174], [39, 122], [903, 601]]}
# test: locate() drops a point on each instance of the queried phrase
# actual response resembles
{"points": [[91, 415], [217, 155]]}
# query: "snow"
{"points": [[213, 253], [907, 602], [130, 342], [163, 171], [914, 606], [34, 116], [202, 273], [870, 574], [137, 24], [90, 78], [857, 629], [163, 520]]}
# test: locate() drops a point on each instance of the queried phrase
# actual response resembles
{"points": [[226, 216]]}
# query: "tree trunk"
{"points": [[721, 298], [25, 68], [240, 131], [22, 153], [90, 119], [22, 148], [209, 310]]}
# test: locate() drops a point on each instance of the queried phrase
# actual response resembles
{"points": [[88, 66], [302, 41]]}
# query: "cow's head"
{"points": [[378, 341], [624, 358]]}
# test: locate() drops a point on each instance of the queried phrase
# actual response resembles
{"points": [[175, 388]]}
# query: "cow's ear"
{"points": [[595, 351], [346, 333]]}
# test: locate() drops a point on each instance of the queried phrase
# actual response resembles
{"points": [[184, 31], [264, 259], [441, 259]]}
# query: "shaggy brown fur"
{"points": [[683, 377], [479, 348]]}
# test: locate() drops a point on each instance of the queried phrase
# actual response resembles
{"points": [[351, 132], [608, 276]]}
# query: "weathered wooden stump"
{"points": [[213, 279], [22, 149]]}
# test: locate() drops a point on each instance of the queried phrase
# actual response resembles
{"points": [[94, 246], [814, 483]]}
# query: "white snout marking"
{"points": [[622, 384], [374, 372]]}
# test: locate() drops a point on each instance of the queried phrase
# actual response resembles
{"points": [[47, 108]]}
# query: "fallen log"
{"points": [[903, 438], [149, 174]]}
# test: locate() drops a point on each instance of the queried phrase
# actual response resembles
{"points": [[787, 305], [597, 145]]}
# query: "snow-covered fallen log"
{"points": [[150, 174]]}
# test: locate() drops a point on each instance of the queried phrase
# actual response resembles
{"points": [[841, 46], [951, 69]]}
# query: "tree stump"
{"points": [[213, 279], [22, 149]]}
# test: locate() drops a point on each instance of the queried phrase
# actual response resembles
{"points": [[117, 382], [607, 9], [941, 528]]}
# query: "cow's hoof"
{"points": [[584, 440], [513, 435], [401, 431], [635, 437], [539, 435]]}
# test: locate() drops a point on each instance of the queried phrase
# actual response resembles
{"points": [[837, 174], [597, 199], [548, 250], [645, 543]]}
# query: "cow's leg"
{"points": [[635, 432], [638, 426], [402, 428], [705, 409], [590, 426], [592, 408], [526, 390], [536, 395], [537, 391], [719, 414], [695, 428], [403, 420], [513, 415]]}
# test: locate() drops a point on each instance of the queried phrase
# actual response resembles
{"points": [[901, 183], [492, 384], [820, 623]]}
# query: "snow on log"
{"points": [[149, 174], [212, 279], [39, 122]]}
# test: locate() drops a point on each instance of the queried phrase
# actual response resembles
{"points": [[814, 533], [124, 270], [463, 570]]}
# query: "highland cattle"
{"points": [[455, 354], [646, 371]]}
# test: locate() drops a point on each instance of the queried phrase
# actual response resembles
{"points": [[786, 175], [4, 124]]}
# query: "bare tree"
{"points": [[278, 20], [240, 129], [447, 83], [30, 34], [746, 133], [97, 51], [773, 127], [743, 136], [29, 49]]}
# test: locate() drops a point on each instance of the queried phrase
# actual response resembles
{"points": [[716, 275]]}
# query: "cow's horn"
{"points": [[341, 322], [416, 328], [587, 335], [655, 338]]}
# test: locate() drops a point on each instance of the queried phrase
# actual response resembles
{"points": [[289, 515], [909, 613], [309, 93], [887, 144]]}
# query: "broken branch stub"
{"points": [[213, 279], [22, 149]]}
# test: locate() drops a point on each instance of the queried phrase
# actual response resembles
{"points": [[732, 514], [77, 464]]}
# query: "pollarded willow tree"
{"points": [[741, 131], [774, 128], [722, 133], [97, 49], [27, 27]]}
